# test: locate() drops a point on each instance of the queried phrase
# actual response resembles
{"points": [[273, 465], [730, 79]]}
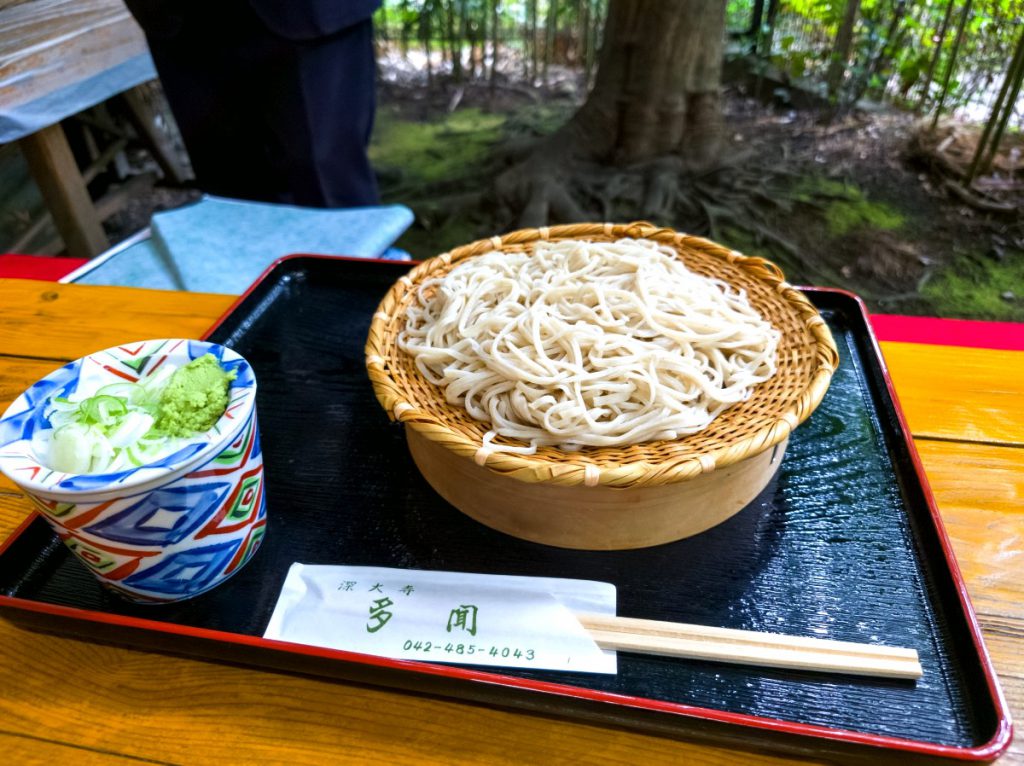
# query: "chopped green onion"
{"points": [[110, 430], [101, 409]]}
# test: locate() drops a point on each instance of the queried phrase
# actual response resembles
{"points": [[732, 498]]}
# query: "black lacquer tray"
{"points": [[845, 543]]}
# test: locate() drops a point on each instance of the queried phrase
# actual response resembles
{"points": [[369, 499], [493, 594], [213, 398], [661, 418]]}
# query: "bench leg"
{"points": [[56, 173], [159, 146]]}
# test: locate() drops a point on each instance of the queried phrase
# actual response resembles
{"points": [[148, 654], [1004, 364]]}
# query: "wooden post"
{"points": [[60, 182]]}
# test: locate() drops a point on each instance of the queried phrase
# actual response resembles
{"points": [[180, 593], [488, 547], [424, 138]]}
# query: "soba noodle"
{"points": [[587, 344]]}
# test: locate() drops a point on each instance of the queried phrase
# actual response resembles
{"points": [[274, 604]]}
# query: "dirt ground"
{"points": [[894, 233]]}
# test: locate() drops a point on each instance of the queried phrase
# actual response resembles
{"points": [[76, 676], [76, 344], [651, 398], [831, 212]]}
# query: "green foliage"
{"points": [[894, 44], [737, 15], [826, 12], [459, 24], [910, 70]]}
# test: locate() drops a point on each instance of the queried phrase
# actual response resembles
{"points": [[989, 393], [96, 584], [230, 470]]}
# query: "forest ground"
{"points": [[845, 202], [850, 206]]}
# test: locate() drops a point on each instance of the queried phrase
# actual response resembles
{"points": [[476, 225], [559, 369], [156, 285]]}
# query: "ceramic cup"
{"points": [[164, 531]]}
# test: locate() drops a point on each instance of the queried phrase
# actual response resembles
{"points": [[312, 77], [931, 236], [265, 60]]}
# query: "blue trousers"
{"points": [[264, 116]]}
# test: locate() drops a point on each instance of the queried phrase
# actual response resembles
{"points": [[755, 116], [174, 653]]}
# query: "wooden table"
{"points": [[75, 700]]}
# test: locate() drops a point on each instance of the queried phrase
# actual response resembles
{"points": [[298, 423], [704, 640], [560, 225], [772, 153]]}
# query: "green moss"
{"points": [[846, 206], [812, 188], [843, 217], [440, 150], [972, 286]]}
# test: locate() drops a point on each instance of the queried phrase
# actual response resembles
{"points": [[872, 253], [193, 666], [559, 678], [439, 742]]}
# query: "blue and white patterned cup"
{"points": [[164, 531]]}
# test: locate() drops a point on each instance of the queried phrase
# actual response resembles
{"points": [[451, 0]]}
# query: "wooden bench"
{"points": [[58, 57]]}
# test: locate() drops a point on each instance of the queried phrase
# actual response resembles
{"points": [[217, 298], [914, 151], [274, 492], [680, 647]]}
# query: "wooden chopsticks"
{"points": [[746, 647]]}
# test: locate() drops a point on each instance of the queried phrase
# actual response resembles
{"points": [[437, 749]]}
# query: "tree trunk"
{"points": [[893, 40], [464, 34], [403, 39], [533, 41], [937, 55], [654, 111], [582, 6], [495, 28], [425, 32], [438, 10], [657, 86], [549, 38], [841, 49], [454, 41], [382, 27], [753, 33], [768, 30], [593, 34], [965, 14]]}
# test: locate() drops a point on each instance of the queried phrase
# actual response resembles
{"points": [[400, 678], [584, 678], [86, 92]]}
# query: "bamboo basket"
{"points": [[607, 498]]}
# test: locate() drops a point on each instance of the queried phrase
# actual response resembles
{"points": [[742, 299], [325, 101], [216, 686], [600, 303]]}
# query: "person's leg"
{"points": [[263, 117], [210, 58], [324, 125], [226, 146]]}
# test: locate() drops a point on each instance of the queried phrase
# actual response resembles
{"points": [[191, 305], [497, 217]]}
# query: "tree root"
{"points": [[544, 189], [977, 201], [539, 194], [747, 205]]}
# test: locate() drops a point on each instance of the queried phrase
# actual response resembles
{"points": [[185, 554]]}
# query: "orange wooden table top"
{"points": [[65, 698]]}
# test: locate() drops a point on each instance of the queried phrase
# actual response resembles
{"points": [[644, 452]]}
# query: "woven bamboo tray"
{"points": [[605, 498]]}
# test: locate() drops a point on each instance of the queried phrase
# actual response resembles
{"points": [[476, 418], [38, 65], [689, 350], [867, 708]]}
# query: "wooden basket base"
{"points": [[593, 518]]}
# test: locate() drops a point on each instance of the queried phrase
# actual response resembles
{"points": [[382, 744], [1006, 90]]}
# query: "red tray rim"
{"points": [[987, 751]]}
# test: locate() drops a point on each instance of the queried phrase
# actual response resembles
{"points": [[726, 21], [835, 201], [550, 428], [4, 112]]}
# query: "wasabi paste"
{"points": [[195, 397]]}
